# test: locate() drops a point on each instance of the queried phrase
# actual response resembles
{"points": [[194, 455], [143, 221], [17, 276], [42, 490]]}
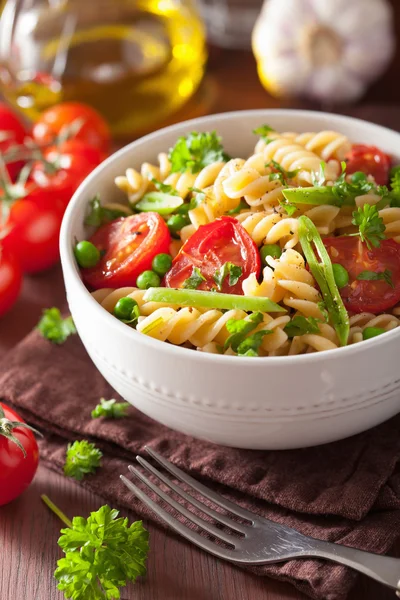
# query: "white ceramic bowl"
{"points": [[270, 403]]}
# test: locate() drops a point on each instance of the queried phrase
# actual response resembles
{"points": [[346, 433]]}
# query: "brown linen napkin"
{"points": [[346, 492]]}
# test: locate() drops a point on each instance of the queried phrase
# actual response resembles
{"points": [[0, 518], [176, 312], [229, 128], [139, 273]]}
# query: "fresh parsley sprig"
{"points": [[164, 187], [240, 339], [279, 173], [300, 325], [233, 272], [370, 224], [264, 132], [110, 409], [54, 328], [195, 279], [195, 151], [99, 214], [385, 275], [82, 458], [102, 553]]}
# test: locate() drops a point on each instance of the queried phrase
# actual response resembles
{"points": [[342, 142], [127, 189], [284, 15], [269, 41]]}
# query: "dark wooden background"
{"points": [[176, 570]]}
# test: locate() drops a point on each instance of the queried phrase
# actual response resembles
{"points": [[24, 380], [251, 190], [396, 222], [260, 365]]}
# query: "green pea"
{"points": [[86, 254], [341, 275], [148, 279], [371, 332], [126, 309], [270, 250], [176, 222], [161, 264], [358, 177]]}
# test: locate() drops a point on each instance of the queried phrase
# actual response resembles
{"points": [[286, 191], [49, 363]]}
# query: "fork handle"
{"points": [[384, 569]]}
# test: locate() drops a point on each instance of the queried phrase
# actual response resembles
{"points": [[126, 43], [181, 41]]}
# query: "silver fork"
{"points": [[261, 541]]}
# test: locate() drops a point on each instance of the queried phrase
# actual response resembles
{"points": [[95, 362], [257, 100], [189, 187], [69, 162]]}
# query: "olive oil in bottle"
{"points": [[136, 61]]}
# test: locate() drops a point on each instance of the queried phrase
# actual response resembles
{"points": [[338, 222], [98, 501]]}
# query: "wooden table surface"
{"points": [[176, 570]]}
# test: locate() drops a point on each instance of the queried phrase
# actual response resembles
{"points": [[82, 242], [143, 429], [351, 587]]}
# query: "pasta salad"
{"points": [[293, 250]]}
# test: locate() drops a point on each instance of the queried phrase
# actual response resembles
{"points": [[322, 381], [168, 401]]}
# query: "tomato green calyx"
{"points": [[7, 427]]}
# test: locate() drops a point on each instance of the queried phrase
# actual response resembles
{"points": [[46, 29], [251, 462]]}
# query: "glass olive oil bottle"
{"points": [[136, 61]]}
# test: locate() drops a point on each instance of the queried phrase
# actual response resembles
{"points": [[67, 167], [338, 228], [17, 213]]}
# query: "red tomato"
{"points": [[94, 130], [72, 162], [12, 132], [16, 470], [34, 222], [371, 161], [209, 248], [353, 255], [10, 280], [130, 244]]}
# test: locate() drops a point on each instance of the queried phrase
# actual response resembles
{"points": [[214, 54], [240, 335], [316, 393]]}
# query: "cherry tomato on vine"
{"points": [[12, 132], [19, 455], [10, 280], [33, 228], [371, 161], [209, 248], [367, 295], [128, 246], [94, 130], [65, 167]]}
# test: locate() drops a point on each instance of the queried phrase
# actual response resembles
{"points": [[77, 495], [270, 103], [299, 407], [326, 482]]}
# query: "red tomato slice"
{"points": [[209, 248], [10, 280], [353, 255], [129, 246], [34, 226], [371, 161]]}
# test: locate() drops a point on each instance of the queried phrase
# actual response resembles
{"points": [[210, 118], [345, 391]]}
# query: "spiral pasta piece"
{"points": [[108, 298], [326, 144], [363, 320], [270, 227], [188, 325], [391, 220]]}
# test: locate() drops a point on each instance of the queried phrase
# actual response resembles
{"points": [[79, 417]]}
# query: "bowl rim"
{"points": [[69, 266]]}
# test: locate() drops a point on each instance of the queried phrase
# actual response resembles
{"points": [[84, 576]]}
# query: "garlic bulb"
{"points": [[329, 50]]}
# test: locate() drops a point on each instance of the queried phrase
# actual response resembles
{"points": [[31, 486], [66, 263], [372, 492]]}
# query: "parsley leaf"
{"points": [[280, 173], [195, 151], [82, 458], [241, 206], [289, 208], [371, 226], [385, 275], [163, 187], [54, 328], [111, 409], [251, 345], [102, 553], [263, 132], [198, 197], [301, 325], [196, 279], [99, 214], [240, 328], [318, 179], [228, 269]]}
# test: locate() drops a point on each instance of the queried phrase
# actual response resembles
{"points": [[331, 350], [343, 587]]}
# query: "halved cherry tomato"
{"points": [[209, 248], [371, 161], [94, 130], [10, 280], [353, 255], [72, 162], [128, 246], [12, 132], [16, 468], [34, 225]]}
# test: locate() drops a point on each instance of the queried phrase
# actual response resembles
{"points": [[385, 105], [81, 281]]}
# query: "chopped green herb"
{"points": [[240, 328], [370, 224], [196, 279], [102, 553], [301, 325], [195, 151], [282, 174], [164, 187], [99, 214], [82, 458], [263, 131], [227, 270], [54, 328], [318, 179], [251, 345], [111, 409], [289, 208], [385, 275]]}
